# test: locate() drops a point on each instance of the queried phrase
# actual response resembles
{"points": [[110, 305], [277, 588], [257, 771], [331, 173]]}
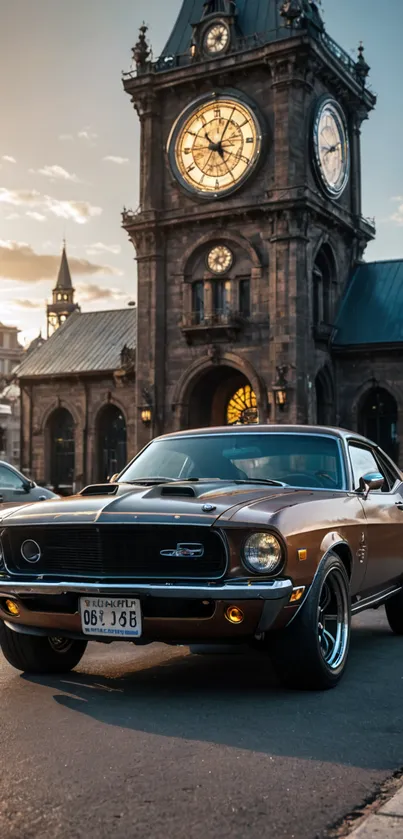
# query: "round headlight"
{"points": [[30, 551], [263, 552]]}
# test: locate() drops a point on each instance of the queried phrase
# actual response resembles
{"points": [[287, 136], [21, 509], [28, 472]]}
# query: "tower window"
{"points": [[244, 298], [324, 280], [221, 297], [59, 296], [65, 297], [198, 302]]}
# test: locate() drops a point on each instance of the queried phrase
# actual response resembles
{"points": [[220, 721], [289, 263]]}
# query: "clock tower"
{"points": [[249, 221]]}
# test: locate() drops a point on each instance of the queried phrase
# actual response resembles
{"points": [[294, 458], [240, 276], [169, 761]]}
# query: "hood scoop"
{"points": [[100, 489], [172, 491]]}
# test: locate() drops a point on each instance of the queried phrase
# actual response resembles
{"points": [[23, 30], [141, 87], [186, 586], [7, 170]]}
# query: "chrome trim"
{"points": [[373, 600], [237, 589]]}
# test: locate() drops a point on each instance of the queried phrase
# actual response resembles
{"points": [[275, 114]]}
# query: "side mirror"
{"points": [[370, 483], [113, 478], [28, 485]]}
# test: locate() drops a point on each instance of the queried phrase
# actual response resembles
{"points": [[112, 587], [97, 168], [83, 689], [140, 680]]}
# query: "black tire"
{"points": [[303, 656], [394, 613], [33, 654]]}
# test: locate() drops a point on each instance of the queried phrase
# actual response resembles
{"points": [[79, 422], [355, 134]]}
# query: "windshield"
{"points": [[300, 460]]}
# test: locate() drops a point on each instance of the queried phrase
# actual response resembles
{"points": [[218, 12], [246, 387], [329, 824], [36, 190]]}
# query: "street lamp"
{"points": [[146, 416], [280, 389]]}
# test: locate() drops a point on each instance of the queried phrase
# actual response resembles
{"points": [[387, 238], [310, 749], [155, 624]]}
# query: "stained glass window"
{"points": [[242, 408]]}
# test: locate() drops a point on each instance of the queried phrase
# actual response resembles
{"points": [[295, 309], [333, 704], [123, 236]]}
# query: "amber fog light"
{"points": [[12, 608], [30, 551], [234, 614]]}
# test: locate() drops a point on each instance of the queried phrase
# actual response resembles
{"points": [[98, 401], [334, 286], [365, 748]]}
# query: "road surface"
{"points": [[153, 742]]}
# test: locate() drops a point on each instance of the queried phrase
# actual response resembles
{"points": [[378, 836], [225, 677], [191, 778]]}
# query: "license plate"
{"points": [[114, 617]]}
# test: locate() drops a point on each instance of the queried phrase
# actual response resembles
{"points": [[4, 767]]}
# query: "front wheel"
{"points": [[394, 613], [33, 654], [312, 653]]}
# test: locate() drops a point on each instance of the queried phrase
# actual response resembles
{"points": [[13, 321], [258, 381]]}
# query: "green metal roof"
{"points": [[254, 16], [371, 311]]}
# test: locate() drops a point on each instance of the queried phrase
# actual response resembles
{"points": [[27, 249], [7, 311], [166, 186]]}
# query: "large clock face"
{"points": [[331, 147], [215, 145]]}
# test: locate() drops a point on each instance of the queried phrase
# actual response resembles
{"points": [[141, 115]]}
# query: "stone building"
{"points": [[77, 401], [250, 236], [11, 353]]}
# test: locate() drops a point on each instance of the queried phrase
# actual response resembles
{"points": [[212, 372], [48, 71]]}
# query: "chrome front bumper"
{"points": [[233, 590]]}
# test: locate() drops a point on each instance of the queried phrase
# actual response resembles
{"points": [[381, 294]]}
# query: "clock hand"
{"points": [[228, 122]]}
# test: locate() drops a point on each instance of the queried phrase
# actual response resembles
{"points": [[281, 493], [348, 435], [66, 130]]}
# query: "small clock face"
{"points": [[220, 259], [215, 145], [216, 39], [331, 147]]}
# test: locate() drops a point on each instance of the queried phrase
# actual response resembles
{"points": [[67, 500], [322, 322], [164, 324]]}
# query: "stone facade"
{"points": [[84, 398], [11, 353], [276, 226]]}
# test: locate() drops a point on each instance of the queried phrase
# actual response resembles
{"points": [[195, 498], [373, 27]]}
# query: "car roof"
{"points": [[340, 433]]}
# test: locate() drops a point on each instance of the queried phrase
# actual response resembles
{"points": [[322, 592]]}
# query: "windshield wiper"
{"points": [[158, 480], [261, 481]]}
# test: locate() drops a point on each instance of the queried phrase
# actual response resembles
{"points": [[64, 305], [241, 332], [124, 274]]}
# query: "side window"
{"points": [[8, 478], [388, 470], [364, 462]]}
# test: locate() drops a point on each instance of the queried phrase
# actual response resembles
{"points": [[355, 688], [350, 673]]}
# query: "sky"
{"points": [[69, 141]]}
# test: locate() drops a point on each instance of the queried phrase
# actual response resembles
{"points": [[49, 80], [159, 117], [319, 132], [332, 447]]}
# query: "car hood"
{"points": [[202, 503]]}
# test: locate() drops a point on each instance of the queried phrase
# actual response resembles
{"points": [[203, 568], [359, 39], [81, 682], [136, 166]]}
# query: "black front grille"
{"points": [[117, 552]]}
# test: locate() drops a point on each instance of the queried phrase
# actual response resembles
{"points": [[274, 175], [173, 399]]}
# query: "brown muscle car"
{"points": [[272, 536]]}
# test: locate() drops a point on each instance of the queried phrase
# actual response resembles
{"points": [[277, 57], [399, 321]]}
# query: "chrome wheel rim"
{"points": [[333, 619], [60, 645]]}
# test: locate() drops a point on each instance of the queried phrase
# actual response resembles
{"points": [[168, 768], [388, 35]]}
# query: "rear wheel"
{"points": [[311, 654], [394, 613], [33, 654]]}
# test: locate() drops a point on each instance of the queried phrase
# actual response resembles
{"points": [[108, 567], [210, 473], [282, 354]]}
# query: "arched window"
{"points": [[242, 407], [378, 420], [324, 281], [62, 449], [111, 442], [325, 401]]}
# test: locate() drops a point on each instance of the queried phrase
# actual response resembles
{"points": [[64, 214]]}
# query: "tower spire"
{"points": [[62, 304]]}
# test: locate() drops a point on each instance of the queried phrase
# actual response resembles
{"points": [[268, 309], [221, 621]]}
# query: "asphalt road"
{"points": [[154, 742]]}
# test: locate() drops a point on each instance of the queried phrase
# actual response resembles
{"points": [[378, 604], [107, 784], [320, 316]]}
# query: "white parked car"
{"points": [[16, 489]]}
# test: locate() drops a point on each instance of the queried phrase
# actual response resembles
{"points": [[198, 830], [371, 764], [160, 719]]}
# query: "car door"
{"points": [[383, 511], [13, 489]]}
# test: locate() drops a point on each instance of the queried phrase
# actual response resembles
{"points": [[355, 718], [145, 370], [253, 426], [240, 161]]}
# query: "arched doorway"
{"points": [[222, 396], [378, 418], [60, 434], [111, 442], [324, 398]]}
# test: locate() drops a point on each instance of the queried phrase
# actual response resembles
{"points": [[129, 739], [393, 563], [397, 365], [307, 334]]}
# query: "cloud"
{"points": [[79, 211], [18, 197], [56, 172], [121, 161], [65, 137], [28, 304], [12, 216], [35, 215], [87, 134], [89, 292], [397, 217], [8, 158], [18, 261], [99, 247]]}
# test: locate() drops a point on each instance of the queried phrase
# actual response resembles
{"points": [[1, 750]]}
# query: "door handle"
{"points": [[399, 505]]}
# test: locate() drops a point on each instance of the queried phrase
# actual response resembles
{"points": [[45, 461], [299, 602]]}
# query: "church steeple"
{"points": [[63, 303]]}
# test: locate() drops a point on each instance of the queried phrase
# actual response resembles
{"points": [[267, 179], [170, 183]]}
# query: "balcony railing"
{"points": [[195, 320], [243, 44]]}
